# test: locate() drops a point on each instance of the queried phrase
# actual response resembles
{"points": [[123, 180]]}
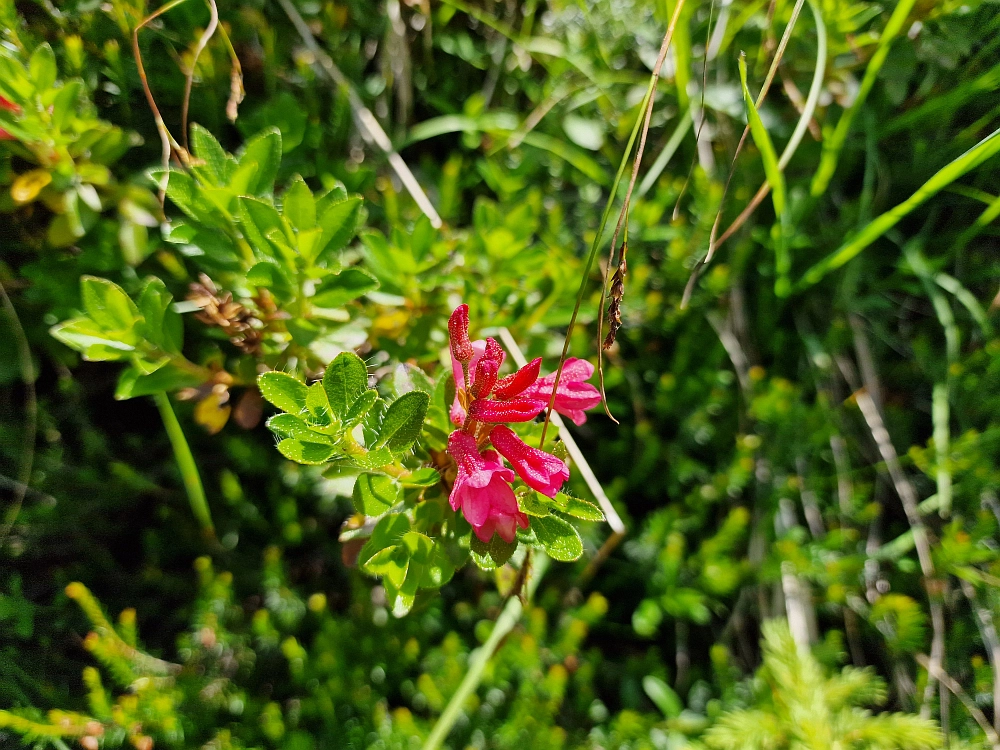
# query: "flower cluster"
{"points": [[484, 402]]}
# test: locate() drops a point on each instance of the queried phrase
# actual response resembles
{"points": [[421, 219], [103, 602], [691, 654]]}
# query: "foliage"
{"points": [[810, 433]]}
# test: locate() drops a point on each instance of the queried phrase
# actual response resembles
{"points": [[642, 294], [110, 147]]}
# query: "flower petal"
{"points": [[515, 410], [515, 383]]}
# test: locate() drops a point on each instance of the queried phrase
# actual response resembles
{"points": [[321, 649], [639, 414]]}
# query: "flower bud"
{"points": [[494, 352], [486, 378], [458, 331]]}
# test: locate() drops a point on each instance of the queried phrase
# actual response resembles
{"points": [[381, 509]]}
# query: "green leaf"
{"points": [[345, 379], [391, 563], [270, 276], [663, 696], [403, 421], [207, 149], [42, 67], [339, 223], [374, 494], [302, 452], [317, 404], [133, 383], [763, 141], [348, 285], [775, 178], [834, 142], [257, 220], [402, 599], [387, 532], [109, 306], [65, 104], [438, 569], [373, 460], [361, 406], [584, 132], [284, 391], [421, 478], [134, 241], [291, 426], [96, 344], [163, 325], [560, 540], [264, 149], [298, 205], [184, 192], [493, 554], [647, 618], [533, 503], [576, 507]]}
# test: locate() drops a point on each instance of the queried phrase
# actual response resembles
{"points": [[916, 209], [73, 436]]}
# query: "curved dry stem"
{"points": [[166, 140], [31, 413], [203, 41], [236, 90], [623, 216]]}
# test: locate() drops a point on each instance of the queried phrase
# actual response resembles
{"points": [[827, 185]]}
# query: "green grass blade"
{"points": [[971, 159], [835, 142], [186, 464], [782, 260], [479, 658], [764, 145]]}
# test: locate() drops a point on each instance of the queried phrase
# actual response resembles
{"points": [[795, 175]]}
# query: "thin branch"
{"points": [[956, 689], [988, 631], [206, 35], [166, 140]]}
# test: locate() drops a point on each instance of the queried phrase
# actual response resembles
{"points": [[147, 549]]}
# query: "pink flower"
{"points": [[482, 490], [574, 395], [540, 470], [518, 409]]}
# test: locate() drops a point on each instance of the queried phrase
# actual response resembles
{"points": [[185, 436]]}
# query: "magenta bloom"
{"points": [[482, 490], [540, 470], [484, 403], [574, 394], [518, 409]]}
